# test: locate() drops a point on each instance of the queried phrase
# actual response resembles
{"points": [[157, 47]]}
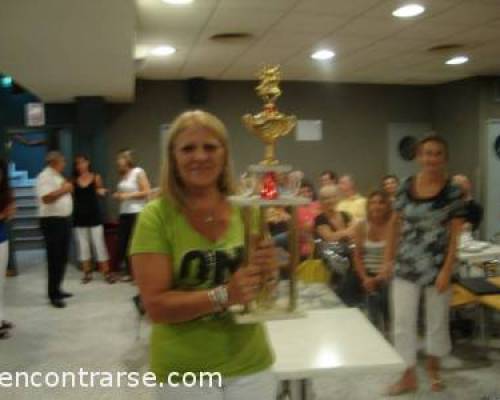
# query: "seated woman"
{"points": [[305, 221], [337, 226], [369, 239], [332, 225], [187, 251]]}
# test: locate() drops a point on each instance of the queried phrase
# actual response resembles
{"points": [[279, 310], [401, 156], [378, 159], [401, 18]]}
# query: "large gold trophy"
{"points": [[270, 184]]}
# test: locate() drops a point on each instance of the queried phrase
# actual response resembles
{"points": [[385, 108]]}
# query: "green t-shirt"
{"points": [[214, 343]]}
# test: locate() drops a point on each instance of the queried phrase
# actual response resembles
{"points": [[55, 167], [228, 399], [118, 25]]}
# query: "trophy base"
{"points": [[268, 314]]}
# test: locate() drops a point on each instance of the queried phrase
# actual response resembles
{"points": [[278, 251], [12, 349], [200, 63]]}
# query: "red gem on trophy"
{"points": [[269, 189]]}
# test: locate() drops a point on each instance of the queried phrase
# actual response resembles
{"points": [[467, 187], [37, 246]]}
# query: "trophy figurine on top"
{"points": [[270, 184]]}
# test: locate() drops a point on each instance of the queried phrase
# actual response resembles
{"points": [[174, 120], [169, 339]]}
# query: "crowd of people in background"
{"points": [[403, 236]]}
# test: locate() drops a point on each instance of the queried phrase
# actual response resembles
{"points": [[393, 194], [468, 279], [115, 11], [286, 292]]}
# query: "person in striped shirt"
{"points": [[370, 237]]}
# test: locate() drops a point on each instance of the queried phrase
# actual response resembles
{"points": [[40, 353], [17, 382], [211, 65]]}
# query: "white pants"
{"points": [[4, 259], [261, 386], [91, 236], [405, 301]]}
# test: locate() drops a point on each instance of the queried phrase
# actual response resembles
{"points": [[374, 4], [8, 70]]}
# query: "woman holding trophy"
{"points": [[187, 255]]}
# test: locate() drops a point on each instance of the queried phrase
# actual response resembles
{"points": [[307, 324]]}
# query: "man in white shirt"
{"points": [[55, 206]]}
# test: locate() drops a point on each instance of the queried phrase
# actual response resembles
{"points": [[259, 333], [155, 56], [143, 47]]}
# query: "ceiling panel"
{"points": [[254, 4], [347, 8], [166, 19], [308, 23], [428, 30], [432, 7], [60, 49], [468, 13], [243, 20], [376, 28]]}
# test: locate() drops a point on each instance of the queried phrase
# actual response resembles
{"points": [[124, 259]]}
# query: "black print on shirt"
{"points": [[208, 268]]}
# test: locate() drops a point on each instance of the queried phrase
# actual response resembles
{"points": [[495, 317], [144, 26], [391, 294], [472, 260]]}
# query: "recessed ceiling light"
{"points": [[457, 60], [162, 51], [178, 2], [408, 11], [323, 54]]}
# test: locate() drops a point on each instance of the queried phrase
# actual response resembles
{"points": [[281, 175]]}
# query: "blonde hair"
{"points": [[128, 156], [171, 184]]}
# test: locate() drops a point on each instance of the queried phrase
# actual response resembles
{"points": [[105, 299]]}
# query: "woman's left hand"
{"points": [[443, 281]]}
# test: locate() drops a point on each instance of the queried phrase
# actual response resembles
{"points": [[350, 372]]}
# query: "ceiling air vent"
{"points": [[230, 36], [446, 47]]}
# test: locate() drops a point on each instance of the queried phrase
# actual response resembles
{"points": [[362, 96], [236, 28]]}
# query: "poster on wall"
{"points": [[309, 130], [34, 114]]}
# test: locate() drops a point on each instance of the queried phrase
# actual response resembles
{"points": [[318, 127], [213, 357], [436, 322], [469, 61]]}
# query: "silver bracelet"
{"points": [[219, 298], [222, 296]]}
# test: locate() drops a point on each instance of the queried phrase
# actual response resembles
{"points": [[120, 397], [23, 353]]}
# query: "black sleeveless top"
{"points": [[86, 210]]}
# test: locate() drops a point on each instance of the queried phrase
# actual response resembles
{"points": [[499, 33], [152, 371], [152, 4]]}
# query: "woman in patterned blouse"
{"points": [[420, 253]]}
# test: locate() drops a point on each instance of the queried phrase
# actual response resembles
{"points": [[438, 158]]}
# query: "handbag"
{"points": [[313, 270], [335, 255]]}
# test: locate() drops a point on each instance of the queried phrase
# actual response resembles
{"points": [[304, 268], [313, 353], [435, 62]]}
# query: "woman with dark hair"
{"points": [[390, 185], [370, 238], [132, 194], [87, 219], [7, 210], [187, 254], [421, 253]]}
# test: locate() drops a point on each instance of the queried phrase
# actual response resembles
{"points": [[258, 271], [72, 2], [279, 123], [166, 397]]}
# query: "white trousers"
{"points": [[91, 236], [261, 386], [405, 301], [4, 259]]}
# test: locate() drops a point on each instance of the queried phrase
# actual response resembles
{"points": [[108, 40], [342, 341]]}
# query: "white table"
{"points": [[331, 341]]}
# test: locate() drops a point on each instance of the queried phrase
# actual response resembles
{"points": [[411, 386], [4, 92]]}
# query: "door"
{"points": [[492, 206]]}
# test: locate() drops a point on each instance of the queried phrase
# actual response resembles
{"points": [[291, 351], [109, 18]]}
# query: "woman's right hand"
{"points": [[369, 284], [244, 285], [384, 275]]}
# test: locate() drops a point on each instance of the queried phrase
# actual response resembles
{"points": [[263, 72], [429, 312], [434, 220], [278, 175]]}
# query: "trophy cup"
{"points": [[270, 184]]}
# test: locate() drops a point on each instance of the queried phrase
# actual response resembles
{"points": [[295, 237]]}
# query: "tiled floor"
{"points": [[97, 332]]}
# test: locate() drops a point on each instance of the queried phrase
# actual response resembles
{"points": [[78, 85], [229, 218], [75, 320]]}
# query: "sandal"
{"points": [[400, 388], [110, 278], [87, 278], [4, 334], [6, 325], [437, 385], [126, 278]]}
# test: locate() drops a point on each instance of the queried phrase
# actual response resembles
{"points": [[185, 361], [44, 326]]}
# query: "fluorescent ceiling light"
{"points": [[408, 11], [178, 2], [323, 54], [457, 60], [162, 51]]}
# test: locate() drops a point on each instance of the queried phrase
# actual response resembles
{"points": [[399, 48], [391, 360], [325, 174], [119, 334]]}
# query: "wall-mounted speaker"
{"points": [[197, 91]]}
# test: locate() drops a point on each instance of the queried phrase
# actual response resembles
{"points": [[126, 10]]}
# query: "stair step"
{"points": [[21, 215], [26, 204], [33, 245], [25, 191], [25, 227], [28, 239], [26, 234]]}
